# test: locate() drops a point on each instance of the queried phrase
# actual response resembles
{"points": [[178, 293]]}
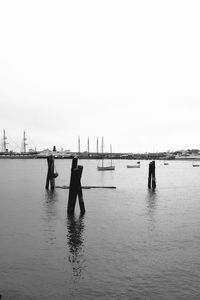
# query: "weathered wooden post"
{"points": [[72, 187], [149, 178], [80, 193], [50, 173], [75, 188], [152, 176]]}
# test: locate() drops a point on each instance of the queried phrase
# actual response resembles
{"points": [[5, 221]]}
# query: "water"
{"points": [[132, 243]]}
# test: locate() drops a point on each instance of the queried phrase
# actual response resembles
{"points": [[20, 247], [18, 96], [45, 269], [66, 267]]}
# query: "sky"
{"points": [[125, 70]]}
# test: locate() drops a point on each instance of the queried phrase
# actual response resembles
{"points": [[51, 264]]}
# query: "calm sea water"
{"points": [[131, 243]]}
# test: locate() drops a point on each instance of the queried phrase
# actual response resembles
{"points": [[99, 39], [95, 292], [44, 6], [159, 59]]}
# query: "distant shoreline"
{"points": [[97, 158]]}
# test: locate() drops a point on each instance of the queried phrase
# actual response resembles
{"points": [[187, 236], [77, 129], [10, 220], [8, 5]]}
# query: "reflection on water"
{"points": [[50, 207], [75, 241], [51, 199], [151, 207], [50, 195]]}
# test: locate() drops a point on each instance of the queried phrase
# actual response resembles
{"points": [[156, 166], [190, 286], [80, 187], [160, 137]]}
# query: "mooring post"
{"points": [[74, 163], [80, 193], [50, 173], [152, 176], [75, 188], [72, 188], [149, 178]]}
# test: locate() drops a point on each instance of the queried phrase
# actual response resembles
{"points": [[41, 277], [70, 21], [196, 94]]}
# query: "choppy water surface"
{"points": [[132, 243]]}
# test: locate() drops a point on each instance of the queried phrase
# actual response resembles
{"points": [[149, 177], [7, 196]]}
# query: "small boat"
{"points": [[165, 162], [102, 167], [133, 166], [108, 168]]}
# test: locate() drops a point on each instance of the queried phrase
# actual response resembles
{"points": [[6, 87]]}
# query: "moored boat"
{"points": [[108, 168], [102, 167], [133, 166]]}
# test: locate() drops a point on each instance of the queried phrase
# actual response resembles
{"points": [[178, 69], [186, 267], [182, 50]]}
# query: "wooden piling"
{"points": [[50, 173], [80, 193], [152, 176], [72, 187], [75, 188], [72, 192], [74, 163], [149, 178]]}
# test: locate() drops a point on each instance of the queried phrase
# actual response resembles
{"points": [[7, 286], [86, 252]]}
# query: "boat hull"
{"points": [[108, 168], [136, 166]]}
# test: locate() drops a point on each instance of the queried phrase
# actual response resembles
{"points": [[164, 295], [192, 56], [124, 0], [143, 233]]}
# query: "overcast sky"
{"points": [[125, 70]]}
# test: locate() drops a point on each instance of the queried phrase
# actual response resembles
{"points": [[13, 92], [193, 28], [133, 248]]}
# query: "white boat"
{"points": [[102, 167], [134, 166]]}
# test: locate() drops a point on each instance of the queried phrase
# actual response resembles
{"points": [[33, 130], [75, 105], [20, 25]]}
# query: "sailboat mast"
{"points": [[88, 146], [97, 145], [111, 153], [4, 141], [102, 150], [79, 145], [24, 144]]}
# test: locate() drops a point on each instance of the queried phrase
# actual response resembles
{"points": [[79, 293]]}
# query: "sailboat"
{"points": [[102, 167]]}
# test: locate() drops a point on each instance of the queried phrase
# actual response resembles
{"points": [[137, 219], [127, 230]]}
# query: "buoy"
{"points": [[55, 174]]}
